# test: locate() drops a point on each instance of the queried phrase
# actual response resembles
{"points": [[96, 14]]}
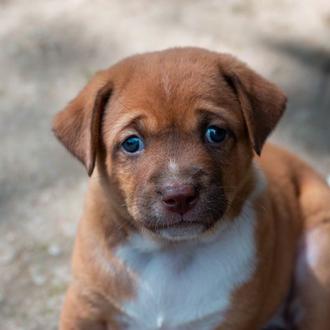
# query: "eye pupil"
{"points": [[133, 144], [215, 134]]}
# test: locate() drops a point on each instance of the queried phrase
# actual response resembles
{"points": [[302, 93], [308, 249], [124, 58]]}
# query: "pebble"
{"points": [[54, 250]]}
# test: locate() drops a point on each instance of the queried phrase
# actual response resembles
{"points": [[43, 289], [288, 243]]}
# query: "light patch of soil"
{"points": [[48, 51]]}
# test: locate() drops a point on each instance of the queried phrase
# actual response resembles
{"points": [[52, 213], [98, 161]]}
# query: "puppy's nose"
{"points": [[179, 198]]}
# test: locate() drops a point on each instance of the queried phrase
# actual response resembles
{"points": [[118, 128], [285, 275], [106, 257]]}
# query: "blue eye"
{"points": [[133, 144], [214, 134]]}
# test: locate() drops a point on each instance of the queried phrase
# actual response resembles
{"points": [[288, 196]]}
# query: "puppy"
{"points": [[185, 226]]}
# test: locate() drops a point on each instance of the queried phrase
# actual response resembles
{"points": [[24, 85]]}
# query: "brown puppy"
{"points": [[184, 228]]}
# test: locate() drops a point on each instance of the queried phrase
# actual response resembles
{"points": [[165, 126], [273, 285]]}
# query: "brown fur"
{"points": [[167, 97]]}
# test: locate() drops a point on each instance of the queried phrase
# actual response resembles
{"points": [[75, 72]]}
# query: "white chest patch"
{"points": [[189, 285]]}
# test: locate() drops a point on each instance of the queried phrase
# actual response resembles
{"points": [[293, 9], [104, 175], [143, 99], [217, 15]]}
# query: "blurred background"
{"points": [[48, 51]]}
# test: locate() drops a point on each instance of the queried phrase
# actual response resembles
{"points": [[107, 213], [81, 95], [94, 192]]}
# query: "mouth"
{"points": [[195, 222], [181, 230]]}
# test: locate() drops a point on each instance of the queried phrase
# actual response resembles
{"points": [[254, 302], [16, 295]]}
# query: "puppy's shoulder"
{"points": [[279, 163]]}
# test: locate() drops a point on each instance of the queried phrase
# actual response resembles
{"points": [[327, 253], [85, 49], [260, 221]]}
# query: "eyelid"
{"points": [[207, 122], [211, 115], [122, 136], [210, 118], [130, 133]]}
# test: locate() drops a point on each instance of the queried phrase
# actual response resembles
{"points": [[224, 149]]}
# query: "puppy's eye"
{"points": [[214, 134], [133, 144]]}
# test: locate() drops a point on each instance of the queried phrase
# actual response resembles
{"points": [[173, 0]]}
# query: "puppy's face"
{"points": [[177, 146], [176, 139]]}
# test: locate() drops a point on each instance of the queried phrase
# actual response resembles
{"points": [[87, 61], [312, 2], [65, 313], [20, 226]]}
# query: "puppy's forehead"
{"points": [[169, 85]]}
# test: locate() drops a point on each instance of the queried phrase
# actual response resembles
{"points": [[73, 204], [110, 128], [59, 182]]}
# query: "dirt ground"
{"points": [[49, 49]]}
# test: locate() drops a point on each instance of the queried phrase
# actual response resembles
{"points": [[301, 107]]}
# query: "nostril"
{"points": [[170, 202]]}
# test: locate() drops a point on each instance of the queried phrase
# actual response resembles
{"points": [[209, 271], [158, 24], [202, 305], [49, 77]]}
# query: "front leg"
{"points": [[310, 308], [79, 314], [311, 304]]}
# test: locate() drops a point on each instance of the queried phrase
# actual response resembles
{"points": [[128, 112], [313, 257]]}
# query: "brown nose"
{"points": [[179, 198]]}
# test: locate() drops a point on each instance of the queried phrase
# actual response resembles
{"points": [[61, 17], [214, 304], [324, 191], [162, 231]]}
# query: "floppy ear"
{"points": [[262, 102], [78, 125]]}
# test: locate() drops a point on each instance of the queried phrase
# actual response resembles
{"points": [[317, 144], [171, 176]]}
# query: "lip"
{"points": [[180, 224], [184, 224], [182, 231]]}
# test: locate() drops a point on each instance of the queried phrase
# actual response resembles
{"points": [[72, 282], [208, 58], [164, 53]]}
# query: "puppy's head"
{"points": [[177, 129]]}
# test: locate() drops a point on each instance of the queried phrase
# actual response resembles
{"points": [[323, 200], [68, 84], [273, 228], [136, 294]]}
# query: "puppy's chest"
{"points": [[187, 287]]}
